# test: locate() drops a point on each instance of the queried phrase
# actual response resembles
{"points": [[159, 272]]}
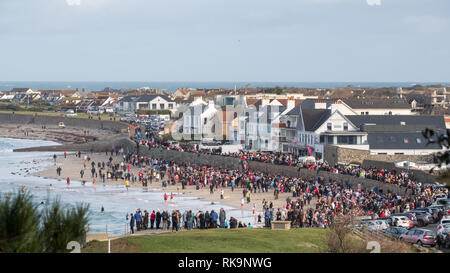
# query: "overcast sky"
{"points": [[225, 40]]}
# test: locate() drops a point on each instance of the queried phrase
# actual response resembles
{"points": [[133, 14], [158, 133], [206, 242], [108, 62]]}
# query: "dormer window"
{"points": [[402, 123]]}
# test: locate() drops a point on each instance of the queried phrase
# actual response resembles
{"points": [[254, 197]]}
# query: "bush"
{"points": [[26, 229]]}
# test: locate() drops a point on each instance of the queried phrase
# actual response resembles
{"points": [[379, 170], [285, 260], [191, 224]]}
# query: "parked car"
{"points": [[401, 221], [411, 217], [395, 232], [443, 229], [377, 225], [420, 237], [388, 220], [423, 218]]}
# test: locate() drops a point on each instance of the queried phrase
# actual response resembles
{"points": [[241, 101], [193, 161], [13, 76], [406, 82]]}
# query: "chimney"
{"points": [[320, 104], [290, 103], [336, 105]]}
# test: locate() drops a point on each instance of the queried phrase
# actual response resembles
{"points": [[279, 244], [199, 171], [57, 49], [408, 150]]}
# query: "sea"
{"points": [[173, 86], [16, 172]]}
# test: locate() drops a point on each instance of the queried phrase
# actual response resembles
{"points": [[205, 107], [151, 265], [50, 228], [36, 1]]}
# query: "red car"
{"points": [[420, 237]]}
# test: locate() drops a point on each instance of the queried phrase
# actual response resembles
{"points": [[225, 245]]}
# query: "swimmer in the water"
{"points": [[103, 209]]}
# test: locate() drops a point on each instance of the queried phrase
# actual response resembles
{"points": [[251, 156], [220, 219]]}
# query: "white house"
{"points": [[146, 102]]}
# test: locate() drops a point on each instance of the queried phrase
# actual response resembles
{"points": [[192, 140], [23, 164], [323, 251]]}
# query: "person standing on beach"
{"points": [[132, 223], [165, 197], [158, 219], [152, 219], [68, 181], [222, 217], [171, 196], [65, 154], [127, 184], [82, 173]]}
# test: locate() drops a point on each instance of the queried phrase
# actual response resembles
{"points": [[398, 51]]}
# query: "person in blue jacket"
{"points": [[138, 219], [214, 218]]}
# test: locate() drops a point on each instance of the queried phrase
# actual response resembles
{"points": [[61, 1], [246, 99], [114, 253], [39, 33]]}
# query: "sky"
{"points": [[225, 40]]}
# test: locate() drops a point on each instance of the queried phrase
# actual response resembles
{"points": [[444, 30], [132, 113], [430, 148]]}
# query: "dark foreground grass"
{"points": [[243, 240]]}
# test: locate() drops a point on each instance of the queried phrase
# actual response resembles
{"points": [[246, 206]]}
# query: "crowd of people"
{"points": [[310, 202], [175, 221]]}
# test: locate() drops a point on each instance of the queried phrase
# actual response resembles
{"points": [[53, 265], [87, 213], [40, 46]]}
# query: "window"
{"points": [[390, 112], [205, 120], [352, 140], [419, 140], [266, 142], [322, 139], [288, 124], [154, 106], [345, 126], [330, 140], [161, 106], [362, 113], [329, 125], [170, 106], [342, 140], [367, 113]]}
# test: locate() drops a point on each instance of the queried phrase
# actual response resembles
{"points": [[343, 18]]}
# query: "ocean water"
{"points": [[16, 169], [173, 86]]}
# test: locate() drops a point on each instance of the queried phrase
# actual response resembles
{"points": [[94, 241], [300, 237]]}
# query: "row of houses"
{"points": [[306, 126]]}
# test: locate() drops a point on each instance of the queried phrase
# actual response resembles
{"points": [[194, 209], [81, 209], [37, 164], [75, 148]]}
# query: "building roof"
{"points": [[313, 118], [144, 98], [20, 89], [437, 122], [377, 103], [409, 140]]}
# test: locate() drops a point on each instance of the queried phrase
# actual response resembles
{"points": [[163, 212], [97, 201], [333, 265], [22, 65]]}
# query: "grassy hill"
{"points": [[243, 240]]}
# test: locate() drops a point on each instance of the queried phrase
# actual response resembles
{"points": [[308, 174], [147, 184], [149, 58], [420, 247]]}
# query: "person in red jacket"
{"points": [[68, 181], [152, 219]]}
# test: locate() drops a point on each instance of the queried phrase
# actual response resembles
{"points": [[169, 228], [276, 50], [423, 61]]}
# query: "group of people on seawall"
{"points": [[175, 220]]}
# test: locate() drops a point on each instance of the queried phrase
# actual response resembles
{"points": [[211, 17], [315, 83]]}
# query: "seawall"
{"points": [[113, 126], [218, 161]]}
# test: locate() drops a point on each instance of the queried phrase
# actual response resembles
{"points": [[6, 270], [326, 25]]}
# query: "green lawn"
{"points": [[220, 240]]}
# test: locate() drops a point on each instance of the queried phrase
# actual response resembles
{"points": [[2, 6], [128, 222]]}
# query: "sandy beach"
{"points": [[72, 165]]}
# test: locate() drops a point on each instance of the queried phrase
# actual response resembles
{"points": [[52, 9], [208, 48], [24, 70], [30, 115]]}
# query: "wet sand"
{"points": [[72, 165]]}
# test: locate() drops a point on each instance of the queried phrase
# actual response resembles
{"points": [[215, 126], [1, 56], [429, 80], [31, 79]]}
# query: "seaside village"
{"points": [[348, 125], [309, 144]]}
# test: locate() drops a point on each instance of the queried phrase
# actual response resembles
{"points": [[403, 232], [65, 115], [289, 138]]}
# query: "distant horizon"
{"points": [[172, 86]]}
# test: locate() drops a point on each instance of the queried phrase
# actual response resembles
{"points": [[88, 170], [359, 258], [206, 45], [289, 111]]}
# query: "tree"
{"points": [[26, 228]]}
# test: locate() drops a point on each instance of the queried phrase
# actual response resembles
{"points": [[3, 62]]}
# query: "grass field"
{"points": [[244, 240]]}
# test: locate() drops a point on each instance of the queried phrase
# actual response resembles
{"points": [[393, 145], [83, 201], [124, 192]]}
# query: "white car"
{"points": [[445, 220], [401, 221], [376, 225]]}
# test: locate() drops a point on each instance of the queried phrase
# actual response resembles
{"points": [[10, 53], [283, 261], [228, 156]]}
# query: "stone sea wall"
{"points": [[116, 127], [234, 163]]}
